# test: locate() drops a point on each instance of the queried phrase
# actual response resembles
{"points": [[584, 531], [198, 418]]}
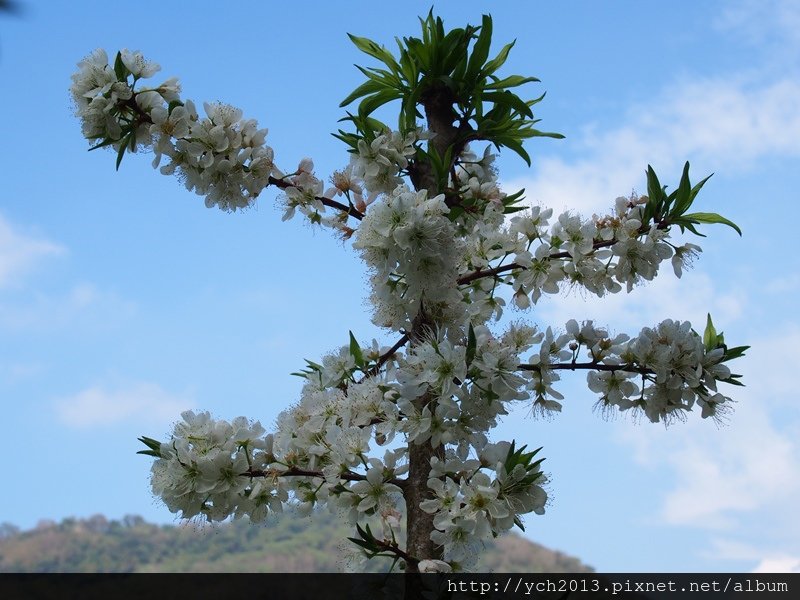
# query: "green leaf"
{"points": [[509, 99], [498, 60], [173, 105], [683, 193], [480, 51], [120, 70], [548, 134], [518, 522], [153, 447], [355, 351], [366, 126], [408, 69], [512, 209], [103, 144], [510, 456], [517, 147], [150, 453], [704, 217], [151, 443], [732, 353], [509, 82], [381, 76], [453, 62], [369, 47], [709, 335], [459, 73], [654, 189], [123, 145], [655, 194], [686, 224], [371, 103], [369, 546], [443, 168], [513, 198], [697, 188], [366, 88], [452, 51], [455, 212]]}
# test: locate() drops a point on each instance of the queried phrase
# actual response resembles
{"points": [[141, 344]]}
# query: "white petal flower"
{"points": [[434, 566], [137, 65]]}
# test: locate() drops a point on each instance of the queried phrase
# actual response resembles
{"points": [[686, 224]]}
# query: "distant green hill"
{"points": [[286, 544]]}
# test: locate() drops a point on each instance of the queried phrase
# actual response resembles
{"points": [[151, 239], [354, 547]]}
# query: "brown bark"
{"points": [[439, 111]]}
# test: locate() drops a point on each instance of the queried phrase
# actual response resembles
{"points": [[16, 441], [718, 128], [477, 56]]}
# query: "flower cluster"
{"points": [[320, 453], [600, 255], [221, 156], [379, 162], [201, 469], [217, 469], [674, 365], [468, 386], [681, 371], [436, 262], [476, 179], [413, 252], [469, 506]]}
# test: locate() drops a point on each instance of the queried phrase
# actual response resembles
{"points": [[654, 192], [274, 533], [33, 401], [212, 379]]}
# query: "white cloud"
{"points": [[783, 285], [765, 561], [83, 305], [722, 548], [20, 252], [778, 564], [28, 308], [18, 371], [774, 361], [763, 23], [139, 402], [715, 123], [747, 467]]}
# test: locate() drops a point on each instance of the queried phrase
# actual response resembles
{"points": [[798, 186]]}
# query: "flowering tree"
{"points": [[383, 434]]}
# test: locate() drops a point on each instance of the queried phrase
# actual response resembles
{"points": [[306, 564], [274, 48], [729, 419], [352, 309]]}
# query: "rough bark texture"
{"points": [[441, 116], [438, 104], [420, 523]]}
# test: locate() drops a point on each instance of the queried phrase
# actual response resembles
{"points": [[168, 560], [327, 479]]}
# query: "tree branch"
{"points": [[144, 117], [597, 244], [481, 273], [394, 549], [589, 366], [297, 472], [386, 356], [350, 210]]}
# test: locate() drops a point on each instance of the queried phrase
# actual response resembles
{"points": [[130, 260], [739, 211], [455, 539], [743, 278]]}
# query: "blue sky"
{"points": [[123, 300]]}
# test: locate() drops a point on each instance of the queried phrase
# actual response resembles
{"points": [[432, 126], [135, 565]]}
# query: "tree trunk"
{"points": [[440, 115]]}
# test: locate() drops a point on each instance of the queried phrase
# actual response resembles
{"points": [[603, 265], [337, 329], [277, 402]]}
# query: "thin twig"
{"points": [[597, 244], [383, 358], [350, 210], [592, 366]]}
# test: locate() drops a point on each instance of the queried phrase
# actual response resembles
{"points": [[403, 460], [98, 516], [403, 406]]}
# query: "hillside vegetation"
{"points": [[287, 544]]}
